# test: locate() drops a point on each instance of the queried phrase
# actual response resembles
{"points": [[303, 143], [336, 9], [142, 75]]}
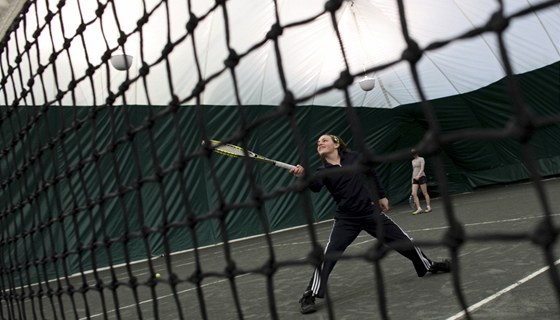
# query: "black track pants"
{"points": [[345, 231]]}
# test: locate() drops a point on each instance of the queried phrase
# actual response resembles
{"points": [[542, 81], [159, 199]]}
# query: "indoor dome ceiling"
{"points": [[311, 53]]}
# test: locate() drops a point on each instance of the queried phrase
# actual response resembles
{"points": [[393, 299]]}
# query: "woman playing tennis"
{"points": [[361, 204]]}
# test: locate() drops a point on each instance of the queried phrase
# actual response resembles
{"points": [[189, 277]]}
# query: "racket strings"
{"points": [[232, 150]]}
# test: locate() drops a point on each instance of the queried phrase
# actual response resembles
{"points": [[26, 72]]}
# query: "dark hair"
{"points": [[414, 152]]}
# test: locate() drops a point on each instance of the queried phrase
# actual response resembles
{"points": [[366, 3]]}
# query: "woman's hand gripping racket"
{"points": [[231, 150]]}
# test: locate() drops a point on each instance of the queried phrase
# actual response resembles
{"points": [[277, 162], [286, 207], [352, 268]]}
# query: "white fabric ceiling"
{"points": [[311, 55]]}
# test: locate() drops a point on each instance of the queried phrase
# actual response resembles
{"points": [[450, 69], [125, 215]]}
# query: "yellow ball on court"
{"points": [[157, 275]]}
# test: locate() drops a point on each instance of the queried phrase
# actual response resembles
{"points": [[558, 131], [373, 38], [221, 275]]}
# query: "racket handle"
{"points": [[283, 165]]}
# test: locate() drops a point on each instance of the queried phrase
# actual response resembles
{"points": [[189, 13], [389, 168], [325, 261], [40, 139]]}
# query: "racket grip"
{"points": [[283, 165]]}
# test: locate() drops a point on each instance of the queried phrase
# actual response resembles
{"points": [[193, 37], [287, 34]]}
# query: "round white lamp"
{"points": [[367, 84], [121, 61]]}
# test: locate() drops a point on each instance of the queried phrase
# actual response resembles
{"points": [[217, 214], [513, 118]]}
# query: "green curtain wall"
{"points": [[67, 193]]}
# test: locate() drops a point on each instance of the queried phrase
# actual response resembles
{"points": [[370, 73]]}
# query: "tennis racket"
{"points": [[231, 150], [411, 203]]}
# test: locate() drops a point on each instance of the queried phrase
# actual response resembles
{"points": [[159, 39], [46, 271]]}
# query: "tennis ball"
{"points": [[157, 275]]}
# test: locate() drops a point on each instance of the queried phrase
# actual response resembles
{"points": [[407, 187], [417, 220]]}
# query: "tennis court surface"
{"points": [[502, 274]]}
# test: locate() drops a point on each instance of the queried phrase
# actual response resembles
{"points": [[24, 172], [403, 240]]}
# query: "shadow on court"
{"points": [[502, 276]]}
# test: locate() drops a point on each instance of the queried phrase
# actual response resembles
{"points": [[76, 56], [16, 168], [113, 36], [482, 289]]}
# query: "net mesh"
{"points": [[88, 189]]}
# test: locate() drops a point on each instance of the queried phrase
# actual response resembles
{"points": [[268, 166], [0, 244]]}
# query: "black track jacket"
{"points": [[351, 191]]}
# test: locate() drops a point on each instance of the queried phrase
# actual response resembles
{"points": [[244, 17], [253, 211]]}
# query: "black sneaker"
{"points": [[442, 266], [307, 302]]}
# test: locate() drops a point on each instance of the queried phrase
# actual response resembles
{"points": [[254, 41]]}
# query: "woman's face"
{"points": [[326, 145]]}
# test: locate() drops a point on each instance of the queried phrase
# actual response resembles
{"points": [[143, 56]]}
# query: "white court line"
{"points": [[285, 230], [464, 225], [158, 298], [501, 292], [191, 250]]}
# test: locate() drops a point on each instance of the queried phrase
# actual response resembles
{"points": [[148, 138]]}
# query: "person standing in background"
{"points": [[419, 179]]}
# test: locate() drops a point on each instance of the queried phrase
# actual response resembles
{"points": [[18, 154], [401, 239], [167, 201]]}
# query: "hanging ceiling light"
{"points": [[121, 61], [367, 83]]}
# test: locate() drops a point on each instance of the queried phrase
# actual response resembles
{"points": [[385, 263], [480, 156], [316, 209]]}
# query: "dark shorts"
{"points": [[422, 180]]}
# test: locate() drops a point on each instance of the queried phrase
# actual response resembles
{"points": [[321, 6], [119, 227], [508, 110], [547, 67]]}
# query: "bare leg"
{"points": [[415, 196], [424, 188]]}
